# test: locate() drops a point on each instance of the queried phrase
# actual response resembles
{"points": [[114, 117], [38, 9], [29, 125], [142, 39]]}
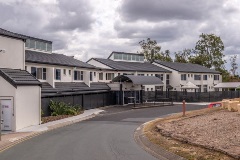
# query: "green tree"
{"points": [[234, 65], [164, 56], [225, 74], [209, 52], [183, 56], [150, 49]]}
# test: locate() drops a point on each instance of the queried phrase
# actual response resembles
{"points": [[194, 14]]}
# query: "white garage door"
{"points": [[6, 115]]}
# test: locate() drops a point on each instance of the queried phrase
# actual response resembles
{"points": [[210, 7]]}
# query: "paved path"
{"points": [[108, 136]]}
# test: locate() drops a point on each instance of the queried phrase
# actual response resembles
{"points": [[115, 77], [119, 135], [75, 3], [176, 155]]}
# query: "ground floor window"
{"points": [[100, 76], [205, 88], [39, 73], [109, 76], [78, 75], [57, 74]]}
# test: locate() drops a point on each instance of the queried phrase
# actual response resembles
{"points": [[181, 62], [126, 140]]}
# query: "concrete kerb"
{"points": [[40, 129], [151, 148]]}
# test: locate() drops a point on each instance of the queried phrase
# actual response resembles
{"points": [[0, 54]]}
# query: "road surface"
{"points": [[108, 136]]}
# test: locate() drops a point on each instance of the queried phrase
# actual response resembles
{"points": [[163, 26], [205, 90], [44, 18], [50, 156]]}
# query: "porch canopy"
{"points": [[139, 80], [189, 85], [234, 85]]}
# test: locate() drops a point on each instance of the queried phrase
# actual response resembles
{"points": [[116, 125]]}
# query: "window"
{"points": [[38, 45], [119, 56], [159, 76], [197, 77], [129, 57], [147, 74], [141, 58], [115, 56], [32, 44], [151, 89], [70, 72], [78, 75], [109, 76], [100, 75], [124, 57], [167, 79], [39, 73], [147, 89], [216, 77], [183, 77], [28, 43], [205, 77], [43, 46], [140, 74], [58, 74], [205, 87], [91, 76], [94, 73], [134, 57], [49, 47], [119, 74], [188, 75], [151, 74], [44, 73], [34, 71], [137, 58], [64, 71]]}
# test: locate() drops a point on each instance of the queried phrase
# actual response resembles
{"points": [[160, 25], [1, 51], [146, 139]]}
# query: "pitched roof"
{"points": [[6, 33], [186, 67], [131, 66], [228, 85], [124, 53], [18, 77], [20, 36], [143, 80], [64, 88], [54, 59]]}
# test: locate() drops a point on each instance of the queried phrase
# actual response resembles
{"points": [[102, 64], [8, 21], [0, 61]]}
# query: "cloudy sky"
{"points": [[95, 28]]}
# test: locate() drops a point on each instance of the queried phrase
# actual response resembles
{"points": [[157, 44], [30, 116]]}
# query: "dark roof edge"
{"points": [[15, 37], [9, 80], [123, 52], [29, 61], [185, 71]]}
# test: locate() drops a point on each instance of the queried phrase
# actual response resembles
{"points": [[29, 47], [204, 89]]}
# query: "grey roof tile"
{"points": [[186, 67], [131, 66], [143, 80], [72, 87], [54, 59], [18, 77], [11, 34]]}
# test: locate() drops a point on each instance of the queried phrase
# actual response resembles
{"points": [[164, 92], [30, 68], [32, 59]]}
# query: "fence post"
{"points": [[183, 108]]}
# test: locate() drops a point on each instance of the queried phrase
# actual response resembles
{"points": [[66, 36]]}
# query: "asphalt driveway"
{"points": [[108, 136]]}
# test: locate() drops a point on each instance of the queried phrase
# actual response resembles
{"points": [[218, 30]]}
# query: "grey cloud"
{"points": [[158, 10], [72, 14]]}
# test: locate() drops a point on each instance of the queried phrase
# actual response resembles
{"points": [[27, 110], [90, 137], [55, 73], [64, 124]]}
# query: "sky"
{"points": [[95, 28]]}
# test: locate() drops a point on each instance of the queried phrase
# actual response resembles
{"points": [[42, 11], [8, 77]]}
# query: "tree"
{"points": [[183, 56], [225, 74], [234, 65], [150, 49], [164, 56], [209, 52]]}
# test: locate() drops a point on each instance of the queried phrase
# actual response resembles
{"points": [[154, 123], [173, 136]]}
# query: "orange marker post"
{"points": [[183, 108]]}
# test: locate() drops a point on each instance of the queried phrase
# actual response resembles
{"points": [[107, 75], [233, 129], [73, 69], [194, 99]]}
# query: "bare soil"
{"points": [[205, 134]]}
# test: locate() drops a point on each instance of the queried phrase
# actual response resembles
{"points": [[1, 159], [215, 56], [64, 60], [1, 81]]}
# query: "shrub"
{"points": [[61, 108]]}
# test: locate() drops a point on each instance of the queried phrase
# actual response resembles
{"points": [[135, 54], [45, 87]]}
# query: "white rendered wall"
{"points": [[28, 106], [14, 57], [7, 91]]}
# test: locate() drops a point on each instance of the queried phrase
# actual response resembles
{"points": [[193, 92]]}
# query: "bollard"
{"points": [[183, 108]]}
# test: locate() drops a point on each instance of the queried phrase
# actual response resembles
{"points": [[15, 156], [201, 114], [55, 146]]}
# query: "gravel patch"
{"points": [[218, 130]]}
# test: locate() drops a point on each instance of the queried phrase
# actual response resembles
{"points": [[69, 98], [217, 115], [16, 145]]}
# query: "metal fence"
{"points": [[178, 96], [87, 101]]}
